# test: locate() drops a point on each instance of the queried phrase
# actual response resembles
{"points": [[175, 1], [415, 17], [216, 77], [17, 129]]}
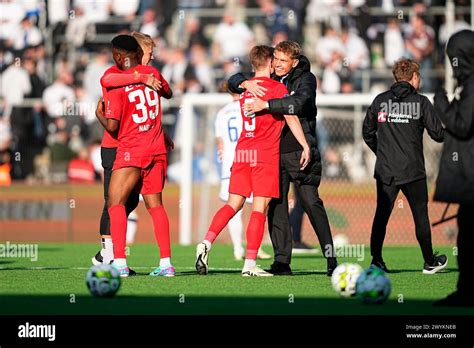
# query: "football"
{"points": [[344, 279], [103, 280], [373, 286]]}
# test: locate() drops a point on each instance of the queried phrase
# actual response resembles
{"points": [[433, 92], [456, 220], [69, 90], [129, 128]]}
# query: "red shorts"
{"points": [[262, 179], [153, 172]]}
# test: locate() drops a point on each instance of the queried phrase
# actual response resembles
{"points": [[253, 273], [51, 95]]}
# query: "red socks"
{"points": [[118, 229], [161, 227], [219, 221], [255, 231]]}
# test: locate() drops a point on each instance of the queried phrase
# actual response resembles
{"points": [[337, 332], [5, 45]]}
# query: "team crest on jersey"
{"points": [[382, 117]]}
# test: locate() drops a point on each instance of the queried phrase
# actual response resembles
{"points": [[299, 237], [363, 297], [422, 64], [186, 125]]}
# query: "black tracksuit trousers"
{"points": [[278, 219], [108, 158], [466, 249], [416, 193]]}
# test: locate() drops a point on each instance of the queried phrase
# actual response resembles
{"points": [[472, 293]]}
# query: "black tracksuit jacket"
{"points": [[393, 129], [455, 181]]}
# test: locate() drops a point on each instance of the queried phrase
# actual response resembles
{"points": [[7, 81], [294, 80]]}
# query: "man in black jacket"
{"points": [[455, 182], [393, 129], [293, 70]]}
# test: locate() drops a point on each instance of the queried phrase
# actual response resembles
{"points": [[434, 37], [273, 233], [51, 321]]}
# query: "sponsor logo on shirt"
{"points": [[382, 117], [399, 112]]}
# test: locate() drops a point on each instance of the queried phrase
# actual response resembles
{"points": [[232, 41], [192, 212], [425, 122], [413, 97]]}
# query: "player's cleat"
{"points": [[126, 272], [255, 272], [379, 264], [280, 268], [98, 259], [331, 266], [303, 248], [262, 255], [439, 262], [202, 255], [238, 257], [456, 299], [163, 272]]}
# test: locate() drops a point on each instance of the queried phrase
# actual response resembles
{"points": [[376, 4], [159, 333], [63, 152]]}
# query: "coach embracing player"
{"points": [[293, 70]]}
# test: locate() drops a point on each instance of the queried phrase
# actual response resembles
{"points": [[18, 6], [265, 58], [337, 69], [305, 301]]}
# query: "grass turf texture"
{"points": [[49, 285]]}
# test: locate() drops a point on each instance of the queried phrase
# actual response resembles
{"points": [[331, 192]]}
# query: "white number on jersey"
{"points": [[146, 101], [249, 125]]}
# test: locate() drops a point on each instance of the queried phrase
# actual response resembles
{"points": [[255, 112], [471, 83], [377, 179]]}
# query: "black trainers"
{"points": [[98, 259], [332, 264], [303, 248], [279, 268], [455, 299], [379, 264], [439, 262]]}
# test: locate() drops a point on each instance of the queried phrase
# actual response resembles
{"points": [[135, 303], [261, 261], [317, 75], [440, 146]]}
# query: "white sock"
{"points": [[107, 251], [249, 263], [240, 252], [165, 262], [132, 225], [120, 263], [208, 244], [235, 230]]}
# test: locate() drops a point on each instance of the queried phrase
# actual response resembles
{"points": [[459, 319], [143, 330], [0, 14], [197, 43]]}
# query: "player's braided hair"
{"points": [[404, 68], [125, 43]]}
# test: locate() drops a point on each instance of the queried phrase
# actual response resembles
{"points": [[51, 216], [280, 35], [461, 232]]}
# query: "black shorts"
{"points": [[108, 158]]}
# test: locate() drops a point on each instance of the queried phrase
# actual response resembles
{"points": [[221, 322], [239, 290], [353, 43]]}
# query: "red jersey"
{"points": [[261, 132], [107, 139], [114, 77], [138, 108]]}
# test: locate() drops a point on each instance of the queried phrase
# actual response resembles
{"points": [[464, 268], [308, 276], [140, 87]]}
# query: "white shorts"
{"points": [[224, 192]]}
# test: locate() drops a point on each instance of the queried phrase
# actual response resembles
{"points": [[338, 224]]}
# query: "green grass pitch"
{"points": [[55, 284]]}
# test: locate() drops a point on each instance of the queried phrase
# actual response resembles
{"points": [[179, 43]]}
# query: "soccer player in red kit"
{"points": [[112, 78], [133, 114], [255, 168]]}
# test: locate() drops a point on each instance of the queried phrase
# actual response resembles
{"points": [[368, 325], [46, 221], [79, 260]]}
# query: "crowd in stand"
{"points": [[53, 53]]}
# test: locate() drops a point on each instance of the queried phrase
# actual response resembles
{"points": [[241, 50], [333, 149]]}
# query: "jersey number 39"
{"points": [[145, 101]]}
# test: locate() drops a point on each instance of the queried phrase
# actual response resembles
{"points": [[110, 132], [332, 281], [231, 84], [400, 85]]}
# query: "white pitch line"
{"points": [[139, 267], [86, 268]]}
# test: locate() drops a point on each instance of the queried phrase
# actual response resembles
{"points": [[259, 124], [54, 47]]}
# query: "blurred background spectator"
{"points": [[232, 39], [420, 42], [393, 42]]}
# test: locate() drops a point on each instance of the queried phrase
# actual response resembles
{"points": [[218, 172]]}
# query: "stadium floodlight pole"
{"points": [[448, 71]]}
